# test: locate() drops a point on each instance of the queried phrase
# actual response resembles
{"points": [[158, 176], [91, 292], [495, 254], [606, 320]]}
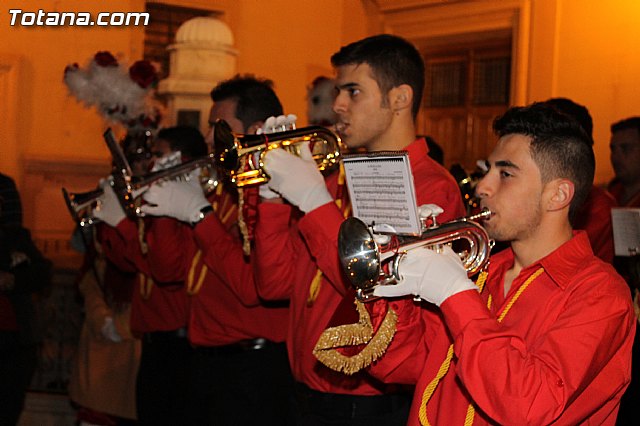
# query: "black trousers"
{"points": [[236, 385], [313, 408], [17, 364], [629, 414], [163, 379]]}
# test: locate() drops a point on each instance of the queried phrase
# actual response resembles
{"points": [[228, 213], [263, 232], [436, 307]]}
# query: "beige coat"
{"points": [[104, 372]]}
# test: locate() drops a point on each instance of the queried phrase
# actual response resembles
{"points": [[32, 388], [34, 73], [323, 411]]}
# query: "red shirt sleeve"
{"points": [[404, 358], [536, 381], [170, 248], [223, 255], [276, 249], [121, 246], [320, 229]]}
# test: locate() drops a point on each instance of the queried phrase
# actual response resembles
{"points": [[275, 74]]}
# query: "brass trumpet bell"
{"points": [[241, 156], [363, 260], [81, 205], [128, 188]]}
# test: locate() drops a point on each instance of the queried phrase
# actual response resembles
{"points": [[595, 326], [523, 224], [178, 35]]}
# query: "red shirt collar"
{"points": [[560, 265], [417, 148]]}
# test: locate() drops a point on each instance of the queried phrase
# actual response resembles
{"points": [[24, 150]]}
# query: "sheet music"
{"points": [[381, 190], [626, 230]]}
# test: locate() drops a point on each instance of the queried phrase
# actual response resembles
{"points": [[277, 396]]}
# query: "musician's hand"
{"points": [[109, 209], [109, 331], [267, 193], [181, 200], [297, 178], [432, 276]]}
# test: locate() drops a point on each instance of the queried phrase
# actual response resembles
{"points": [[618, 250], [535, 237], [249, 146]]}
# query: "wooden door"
{"points": [[466, 88]]}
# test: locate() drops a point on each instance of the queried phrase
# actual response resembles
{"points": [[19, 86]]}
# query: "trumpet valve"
{"points": [[428, 215]]}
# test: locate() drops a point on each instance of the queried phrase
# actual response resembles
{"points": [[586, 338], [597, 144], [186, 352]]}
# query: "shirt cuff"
{"points": [[462, 308]]}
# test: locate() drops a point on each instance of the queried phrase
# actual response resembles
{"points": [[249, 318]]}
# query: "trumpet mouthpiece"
{"points": [[484, 214]]}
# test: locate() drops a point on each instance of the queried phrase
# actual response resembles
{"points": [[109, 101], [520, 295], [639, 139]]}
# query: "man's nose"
{"points": [[339, 104], [483, 188]]}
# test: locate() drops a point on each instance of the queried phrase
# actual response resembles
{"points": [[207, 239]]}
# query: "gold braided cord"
{"points": [[431, 387], [223, 210], [471, 412], [217, 197], [143, 243], [193, 287], [146, 285], [482, 279], [314, 287], [225, 217], [203, 273], [516, 296], [428, 392], [352, 335]]}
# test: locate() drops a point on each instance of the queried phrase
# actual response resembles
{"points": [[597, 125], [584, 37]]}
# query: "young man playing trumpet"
{"points": [[240, 373], [159, 305], [545, 337], [379, 85]]}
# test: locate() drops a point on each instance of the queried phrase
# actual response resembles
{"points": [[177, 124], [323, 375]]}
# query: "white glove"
{"points": [[181, 200], [383, 238], [297, 178], [109, 331], [267, 193], [433, 276], [109, 209]]}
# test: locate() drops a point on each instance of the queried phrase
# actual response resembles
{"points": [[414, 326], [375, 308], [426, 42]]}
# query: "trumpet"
{"points": [[364, 260], [241, 156], [81, 205], [128, 188]]}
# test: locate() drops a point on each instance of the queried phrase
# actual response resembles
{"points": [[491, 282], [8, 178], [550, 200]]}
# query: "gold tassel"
{"points": [[246, 244], [360, 333]]}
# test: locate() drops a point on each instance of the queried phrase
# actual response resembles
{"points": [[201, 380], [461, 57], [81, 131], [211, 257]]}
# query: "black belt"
{"points": [[163, 336], [349, 406], [235, 348]]}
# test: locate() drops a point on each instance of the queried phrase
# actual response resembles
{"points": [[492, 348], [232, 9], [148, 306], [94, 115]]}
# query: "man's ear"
{"points": [[561, 193], [401, 97]]}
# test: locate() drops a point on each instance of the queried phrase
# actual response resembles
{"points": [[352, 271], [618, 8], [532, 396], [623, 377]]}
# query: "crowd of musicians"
{"points": [[244, 314]]}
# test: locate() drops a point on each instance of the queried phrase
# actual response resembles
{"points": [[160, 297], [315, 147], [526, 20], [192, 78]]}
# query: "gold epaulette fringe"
{"points": [[360, 333]]}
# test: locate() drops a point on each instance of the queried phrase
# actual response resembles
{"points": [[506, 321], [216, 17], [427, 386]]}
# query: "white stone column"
{"points": [[202, 56]]}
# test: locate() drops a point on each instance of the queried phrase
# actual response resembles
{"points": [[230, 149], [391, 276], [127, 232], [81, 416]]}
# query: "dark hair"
{"points": [[393, 61], [627, 123], [559, 146], [578, 112], [186, 139], [256, 100]]}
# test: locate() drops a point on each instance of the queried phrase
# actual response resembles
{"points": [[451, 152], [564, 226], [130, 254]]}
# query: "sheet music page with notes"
{"points": [[381, 189], [626, 230]]}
